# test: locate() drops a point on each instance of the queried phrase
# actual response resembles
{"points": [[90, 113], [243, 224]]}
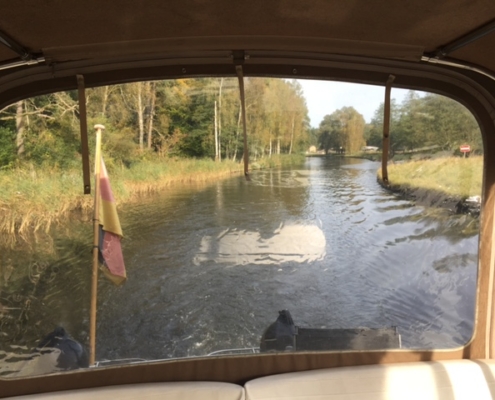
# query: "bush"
{"points": [[7, 148]]}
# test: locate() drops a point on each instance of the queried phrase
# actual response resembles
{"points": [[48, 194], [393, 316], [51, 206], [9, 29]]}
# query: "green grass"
{"points": [[454, 176]]}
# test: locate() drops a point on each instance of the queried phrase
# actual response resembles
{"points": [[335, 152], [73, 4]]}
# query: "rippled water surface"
{"points": [[209, 267]]}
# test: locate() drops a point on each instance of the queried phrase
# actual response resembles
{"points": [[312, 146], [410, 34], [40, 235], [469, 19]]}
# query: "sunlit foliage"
{"points": [[427, 121], [158, 119]]}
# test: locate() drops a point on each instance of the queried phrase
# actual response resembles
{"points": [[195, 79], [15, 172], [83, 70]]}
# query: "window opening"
{"points": [[311, 253]]}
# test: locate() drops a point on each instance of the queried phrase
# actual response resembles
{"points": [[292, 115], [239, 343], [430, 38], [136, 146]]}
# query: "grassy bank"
{"points": [[453, 176], [31, 199]]}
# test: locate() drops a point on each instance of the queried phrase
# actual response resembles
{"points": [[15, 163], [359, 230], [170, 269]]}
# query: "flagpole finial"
{"points": [[100, 126]]}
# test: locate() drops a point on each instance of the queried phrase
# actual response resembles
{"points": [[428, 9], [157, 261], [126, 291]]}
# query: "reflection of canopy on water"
{"points": [[295, 243]]}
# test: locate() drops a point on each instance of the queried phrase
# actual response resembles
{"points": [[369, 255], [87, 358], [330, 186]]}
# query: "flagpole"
{"points": [[96, 240]]}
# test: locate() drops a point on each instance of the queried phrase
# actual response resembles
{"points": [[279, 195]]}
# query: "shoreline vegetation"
{"points": [[432, 180], [453, 183], [33, 199], [162, 132]]}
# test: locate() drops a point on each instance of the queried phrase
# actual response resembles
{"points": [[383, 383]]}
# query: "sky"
{"points": [[324, 97]]}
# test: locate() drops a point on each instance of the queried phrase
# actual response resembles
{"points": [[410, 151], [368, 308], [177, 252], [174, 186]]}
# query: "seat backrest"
{"points": [[447, 380]]}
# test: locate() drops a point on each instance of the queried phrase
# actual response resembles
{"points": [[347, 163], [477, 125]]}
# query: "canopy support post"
{"points": [[238, 61], [386, 129], [96, 243], [83, 122]]}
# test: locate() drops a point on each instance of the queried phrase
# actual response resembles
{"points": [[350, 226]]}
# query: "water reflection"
{"points": [[289, 242]]}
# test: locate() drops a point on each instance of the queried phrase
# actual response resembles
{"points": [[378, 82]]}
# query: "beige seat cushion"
{"points": [[167, 390], [449, 380]]}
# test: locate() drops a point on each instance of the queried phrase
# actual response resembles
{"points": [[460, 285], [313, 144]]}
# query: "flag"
{"points": [[110, 249]]}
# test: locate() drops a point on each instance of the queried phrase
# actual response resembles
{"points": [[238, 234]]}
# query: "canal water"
{"points": [[210, 266]]}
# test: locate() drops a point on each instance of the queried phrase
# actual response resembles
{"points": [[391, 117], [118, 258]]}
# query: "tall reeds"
{"points": [[31, 200]]}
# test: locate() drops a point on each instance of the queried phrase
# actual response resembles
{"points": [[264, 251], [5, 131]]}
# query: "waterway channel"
{"points": [[209, 267]]}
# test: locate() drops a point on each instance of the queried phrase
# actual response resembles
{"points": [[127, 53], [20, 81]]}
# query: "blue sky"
{"points": [[324, 97]]}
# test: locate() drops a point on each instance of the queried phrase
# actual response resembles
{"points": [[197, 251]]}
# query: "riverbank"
{"points": [[453, 183], [33, 199]]}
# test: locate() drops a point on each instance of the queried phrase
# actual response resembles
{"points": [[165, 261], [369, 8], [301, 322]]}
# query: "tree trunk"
{"points": [[151, 112], [19, 123], [104, 101], [220, 120], [278, 146], [140, 115], [216, 133], [237, 133], [292, 134]]}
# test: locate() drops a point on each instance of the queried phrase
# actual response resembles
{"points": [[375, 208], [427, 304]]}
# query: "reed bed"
{"points": [[147, 177], [32, 200]]}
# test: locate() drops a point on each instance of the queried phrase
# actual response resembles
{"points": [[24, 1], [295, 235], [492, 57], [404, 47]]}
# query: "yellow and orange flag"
{"points": [[110, 249]]}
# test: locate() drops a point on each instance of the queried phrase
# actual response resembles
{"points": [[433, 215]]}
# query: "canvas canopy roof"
{"points": [[59, 31], [76, 29]]}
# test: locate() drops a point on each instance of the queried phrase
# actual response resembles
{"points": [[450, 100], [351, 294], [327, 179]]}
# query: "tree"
{"points": [[425, 121], [7, 147], [374, 130], [450, 123], [329, 132], [151, 111], [298, 115], [20, 125], [172, 117], [342, 130]]}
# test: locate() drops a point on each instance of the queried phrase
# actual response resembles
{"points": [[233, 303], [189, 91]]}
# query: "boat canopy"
{"points": [[109, 42]]}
